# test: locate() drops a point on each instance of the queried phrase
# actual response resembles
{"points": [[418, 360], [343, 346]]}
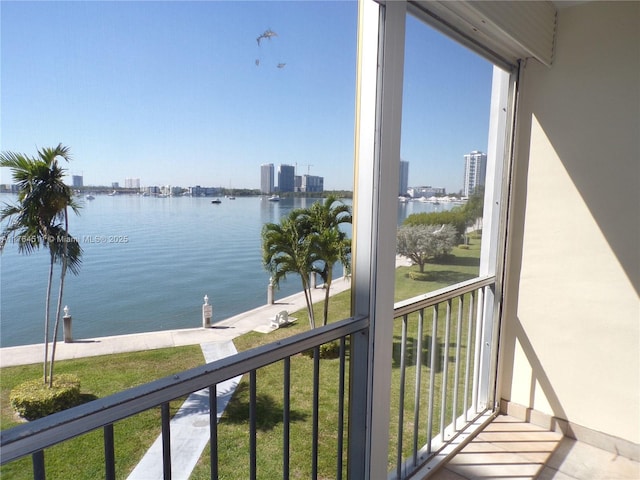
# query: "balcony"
{"points": [[551, 335], [439, 428], [448, 325]]}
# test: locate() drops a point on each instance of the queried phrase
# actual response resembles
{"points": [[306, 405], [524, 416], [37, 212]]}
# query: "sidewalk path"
{"points": [[221, 331], [189, 426]]}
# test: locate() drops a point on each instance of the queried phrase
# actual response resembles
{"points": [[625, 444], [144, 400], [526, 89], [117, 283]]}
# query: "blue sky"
{"points": [[170, 92]]}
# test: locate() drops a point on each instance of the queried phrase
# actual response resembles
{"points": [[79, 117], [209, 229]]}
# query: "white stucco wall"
{"points": [[571, 344]]}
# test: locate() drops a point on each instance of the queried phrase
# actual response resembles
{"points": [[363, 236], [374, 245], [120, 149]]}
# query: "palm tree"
{"points": [[41, 218], [69, 251], [287, 249], [332, 244]]}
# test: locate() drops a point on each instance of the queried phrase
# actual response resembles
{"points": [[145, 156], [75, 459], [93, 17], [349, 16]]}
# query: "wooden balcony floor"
{"points": [[511, 449]]}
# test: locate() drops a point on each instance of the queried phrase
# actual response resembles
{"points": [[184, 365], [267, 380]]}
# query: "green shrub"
{"points": [[327, 350], [330, 350], [419, 276], [34, 399]]}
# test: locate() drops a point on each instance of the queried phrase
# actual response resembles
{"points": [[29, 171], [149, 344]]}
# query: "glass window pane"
{"points": [[445, 123]]}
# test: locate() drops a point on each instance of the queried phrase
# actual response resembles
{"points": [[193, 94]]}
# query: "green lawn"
{"points": [[83, 458], [233, 438]]}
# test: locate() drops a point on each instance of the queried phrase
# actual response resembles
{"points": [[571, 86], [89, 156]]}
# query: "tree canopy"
{"points": [[308, 241], [422, 243], [332, 244]]}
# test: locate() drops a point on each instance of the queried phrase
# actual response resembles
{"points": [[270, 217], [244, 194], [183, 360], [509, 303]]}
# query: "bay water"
{"points": [[147, 264]]}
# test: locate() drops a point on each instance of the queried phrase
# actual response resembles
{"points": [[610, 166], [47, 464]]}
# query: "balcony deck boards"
{"points": [[509, 448]]}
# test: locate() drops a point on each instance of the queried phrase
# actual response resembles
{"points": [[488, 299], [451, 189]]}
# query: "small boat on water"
{"points": [[274, 198], [216, 201], [90, 197]]}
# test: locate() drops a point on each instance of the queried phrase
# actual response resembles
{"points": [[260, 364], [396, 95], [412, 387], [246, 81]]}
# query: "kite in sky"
{"points": [[268, 33]]}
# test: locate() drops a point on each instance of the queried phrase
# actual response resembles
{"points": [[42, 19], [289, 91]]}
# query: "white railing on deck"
{"points": [[437, 360]]}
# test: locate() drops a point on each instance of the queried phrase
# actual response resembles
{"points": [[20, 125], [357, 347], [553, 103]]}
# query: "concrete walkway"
{"points": [[189, 426], [221, 331]]}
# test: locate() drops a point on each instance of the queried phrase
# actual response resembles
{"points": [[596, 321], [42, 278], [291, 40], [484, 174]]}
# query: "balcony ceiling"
{"points": [[503, 31]]}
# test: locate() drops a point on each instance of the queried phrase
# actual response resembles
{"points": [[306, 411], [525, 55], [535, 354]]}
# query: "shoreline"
{"points": [[221, 331]]}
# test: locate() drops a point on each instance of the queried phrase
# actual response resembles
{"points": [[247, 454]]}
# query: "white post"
{"points": [[270, 292], [207, 313], [66, 326]]}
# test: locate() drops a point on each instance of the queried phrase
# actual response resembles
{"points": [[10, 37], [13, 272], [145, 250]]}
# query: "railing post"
{"points": [[109, 453], [213, 431], [166, 441], [37, 459]]}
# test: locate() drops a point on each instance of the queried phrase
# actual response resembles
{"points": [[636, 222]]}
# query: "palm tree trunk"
{"points": [[307, 297], [63, 272], [46, 321], [326, 297], [57, 324]]}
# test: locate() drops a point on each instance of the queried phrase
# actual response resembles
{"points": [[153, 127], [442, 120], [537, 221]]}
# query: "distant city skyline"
{"points": [[181, 92]]}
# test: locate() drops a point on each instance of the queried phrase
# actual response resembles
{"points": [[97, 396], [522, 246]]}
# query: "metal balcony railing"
{"points": [[436, 372], [436, 360], [33, 438]]}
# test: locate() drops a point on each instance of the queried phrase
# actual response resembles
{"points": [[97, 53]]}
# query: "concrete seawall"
{"points": [[224, 330]]}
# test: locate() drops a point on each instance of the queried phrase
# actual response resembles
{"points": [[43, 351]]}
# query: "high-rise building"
{"points": [[286, 178], [312, 183], [404, 178], [77, 181], [132, 183], [267, 178], [475, 169]]}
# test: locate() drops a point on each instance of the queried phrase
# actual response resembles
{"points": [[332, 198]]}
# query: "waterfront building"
{"points": [[198, 191], [312, 183], [76, 181], [267, 178], [404, 178], [426, 191], [286, 178], [475, 169], [132, 183], [115, 185]]}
